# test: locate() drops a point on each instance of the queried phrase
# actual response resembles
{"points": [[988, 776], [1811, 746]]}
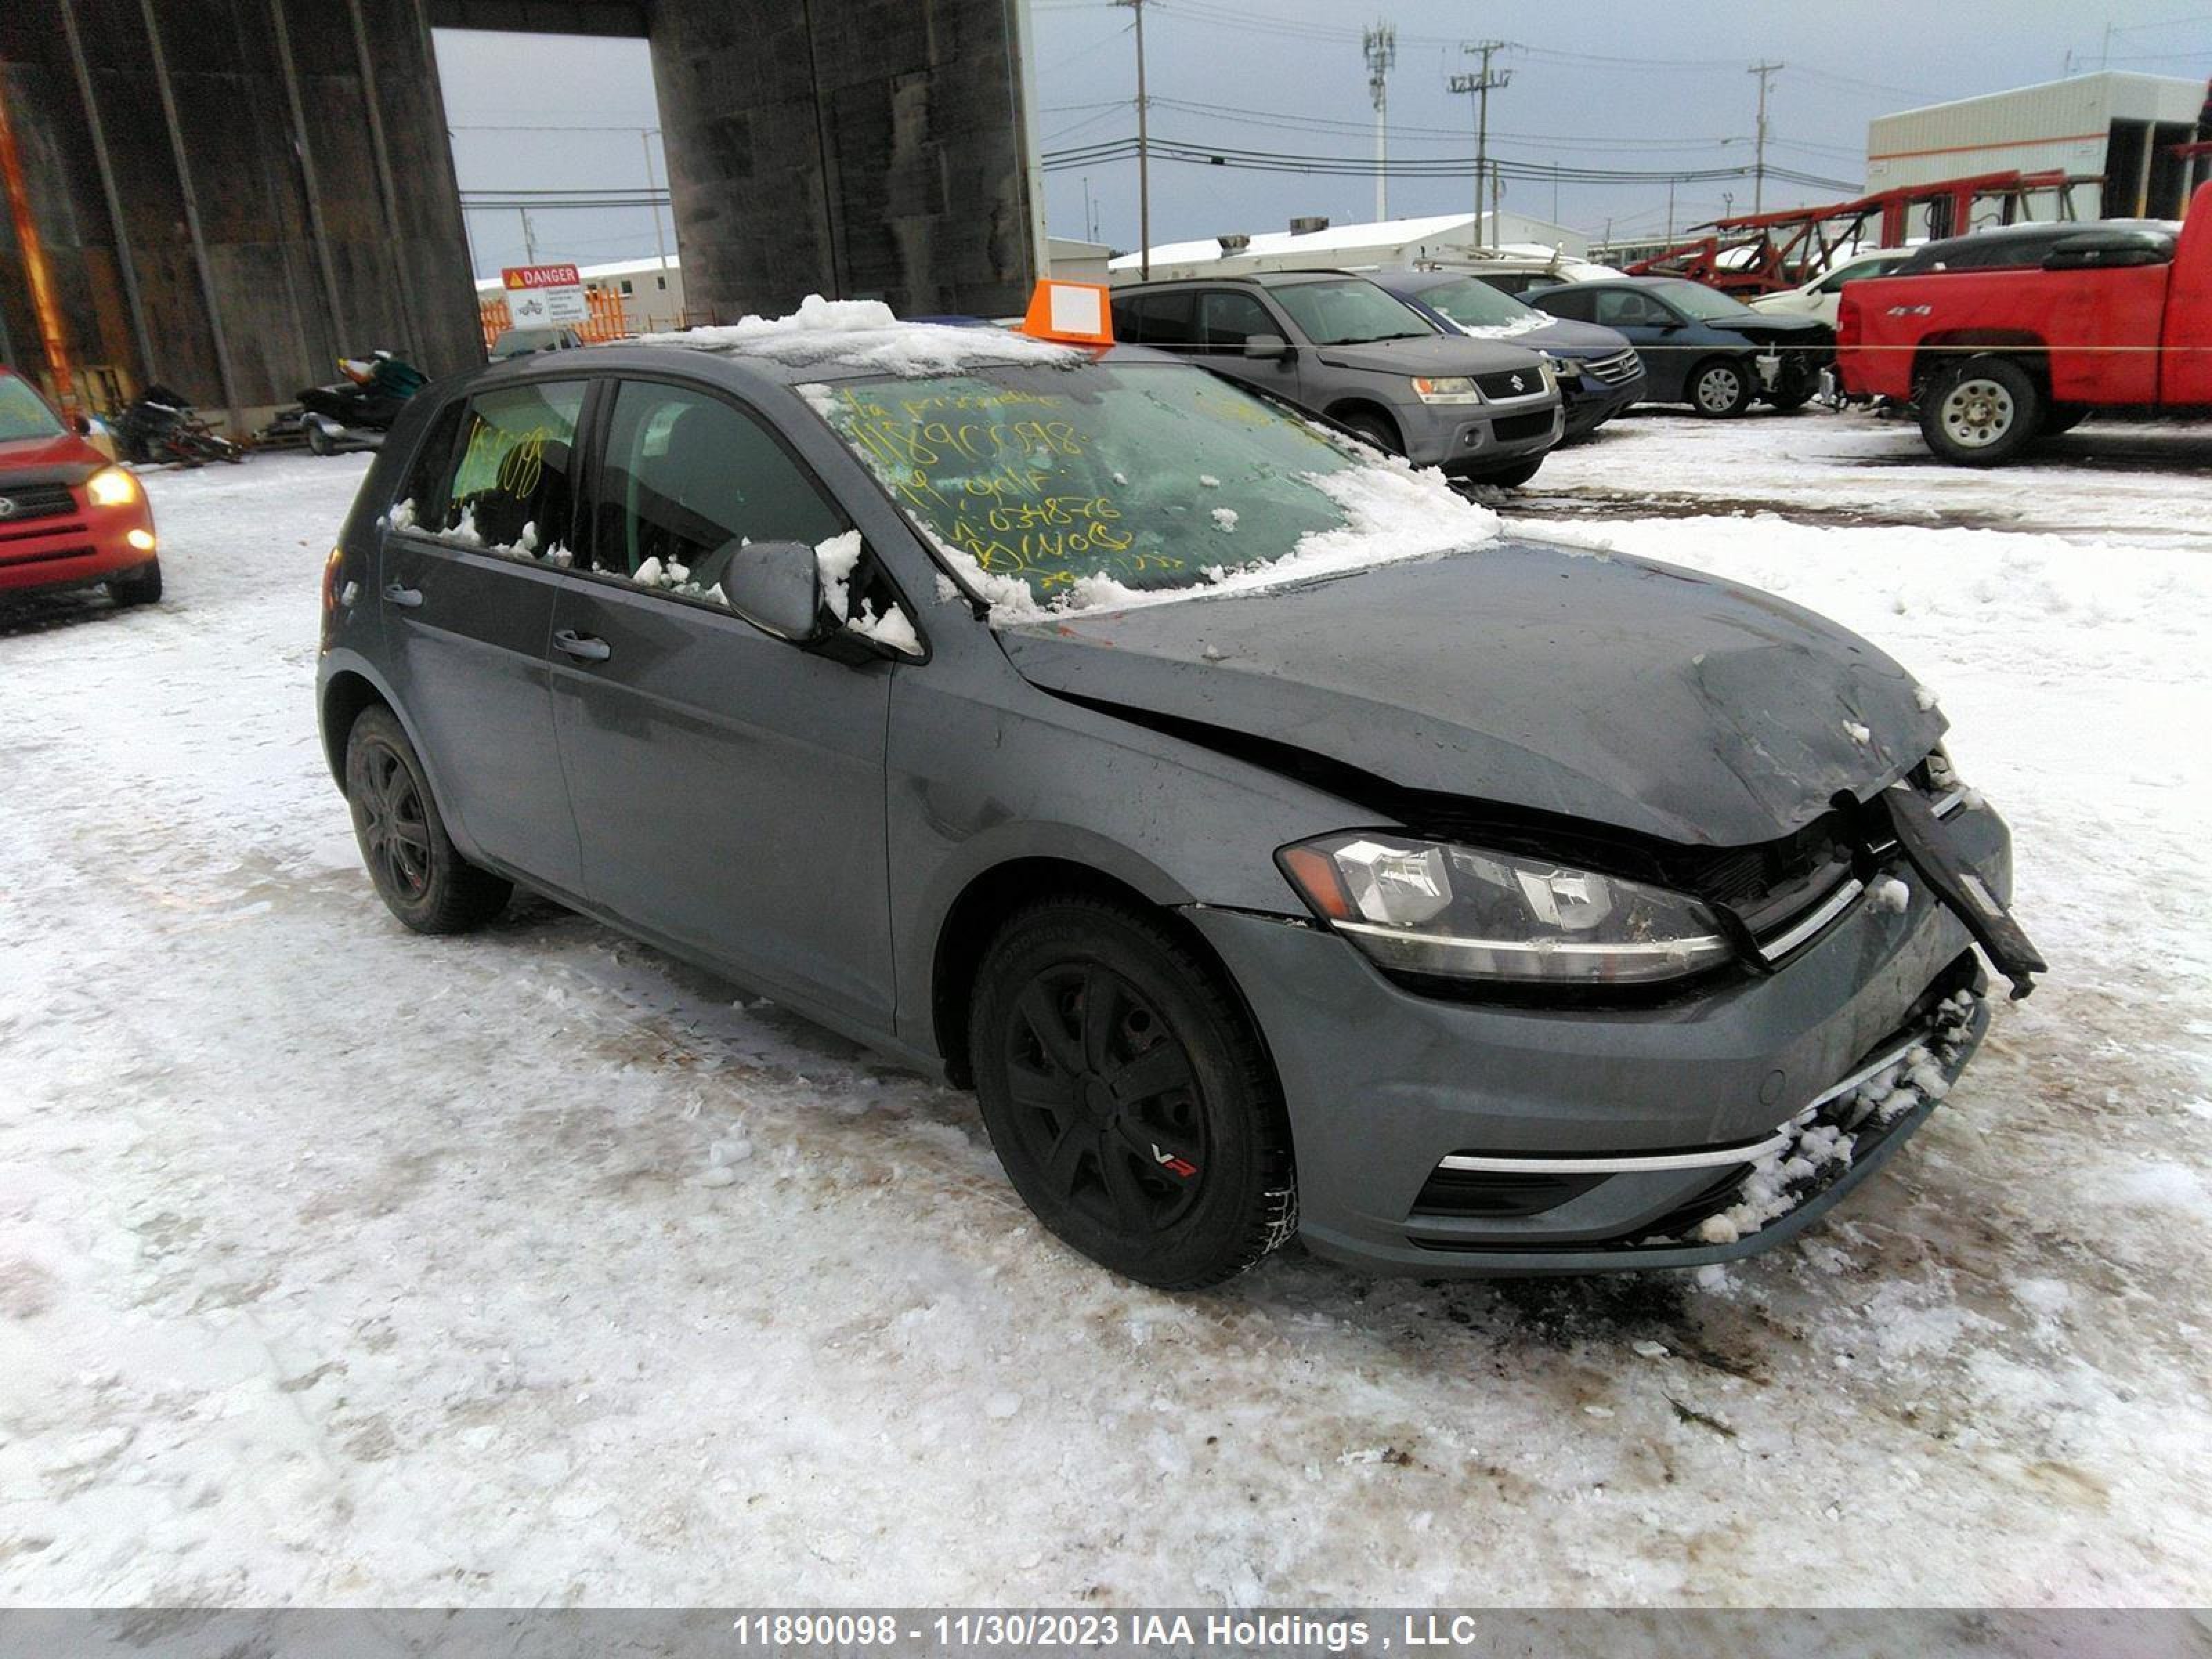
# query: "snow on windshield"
{"points": [[865, 336], [1133, 482]]}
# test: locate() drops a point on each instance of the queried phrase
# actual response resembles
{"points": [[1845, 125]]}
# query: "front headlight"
{"points": [[1424, 906], [1446, 389], [112, 487]]}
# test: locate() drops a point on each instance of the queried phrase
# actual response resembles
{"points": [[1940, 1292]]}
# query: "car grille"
{"points": [[1509, 382], [1508, 427], [1620, 367], [43, 501]]}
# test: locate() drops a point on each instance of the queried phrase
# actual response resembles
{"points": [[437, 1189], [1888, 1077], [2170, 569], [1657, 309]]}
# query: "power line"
{"points": [[1226, 156]]}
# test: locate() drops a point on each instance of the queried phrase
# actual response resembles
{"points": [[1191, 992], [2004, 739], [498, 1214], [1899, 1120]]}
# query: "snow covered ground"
{"points": [[340, 1266]]}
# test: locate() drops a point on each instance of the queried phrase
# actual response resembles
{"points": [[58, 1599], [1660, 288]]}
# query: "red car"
{"points": [[68, 516]]}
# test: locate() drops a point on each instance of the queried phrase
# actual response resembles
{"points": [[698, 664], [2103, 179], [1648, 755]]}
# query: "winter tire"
{"points": [[1982, 413], [1509, 478], [1720, 388], [139, 587], [2063, 417], [1128, 1097], [1376, 430], [418, 873]]}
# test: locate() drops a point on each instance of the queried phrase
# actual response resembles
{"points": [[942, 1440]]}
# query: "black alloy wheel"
{"points": [[1106, 1099], [395, 835], [419, 874], [1128, 1097]]}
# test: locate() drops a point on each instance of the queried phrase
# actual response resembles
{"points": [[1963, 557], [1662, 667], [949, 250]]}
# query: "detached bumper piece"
{"points": [[1723, 1201]]}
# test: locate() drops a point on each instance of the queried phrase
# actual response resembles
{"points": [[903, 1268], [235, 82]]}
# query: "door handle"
{"points": [[582, 647], [406, 598]]}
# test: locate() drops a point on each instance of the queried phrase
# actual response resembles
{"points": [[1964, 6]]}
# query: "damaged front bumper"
{"points": [[1446, 1139]]}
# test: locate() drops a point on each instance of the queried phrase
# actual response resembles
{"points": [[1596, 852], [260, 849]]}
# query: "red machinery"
{"points": [[1766, 252]]}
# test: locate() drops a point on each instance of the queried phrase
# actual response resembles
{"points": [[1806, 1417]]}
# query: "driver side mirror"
{"points": [[777, 588], [81, 424], [1268, 348]]}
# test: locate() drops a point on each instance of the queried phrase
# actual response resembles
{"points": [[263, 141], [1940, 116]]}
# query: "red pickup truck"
{"points": [[2110, 320]]}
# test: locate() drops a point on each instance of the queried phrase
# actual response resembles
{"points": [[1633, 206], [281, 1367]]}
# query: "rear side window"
{"points": [[1158, 319], [688, 481], [502, 475], [1563, 302]]}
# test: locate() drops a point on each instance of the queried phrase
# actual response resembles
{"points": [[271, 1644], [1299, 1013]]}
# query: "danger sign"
{"points": [[544, 296]]}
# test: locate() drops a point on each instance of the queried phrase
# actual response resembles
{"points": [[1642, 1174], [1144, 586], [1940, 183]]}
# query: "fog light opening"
{"points": [[141, 539]]}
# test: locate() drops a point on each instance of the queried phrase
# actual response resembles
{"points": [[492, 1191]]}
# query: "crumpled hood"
{"points": [[1431, 355], [1618, 691], [1783, 330]]}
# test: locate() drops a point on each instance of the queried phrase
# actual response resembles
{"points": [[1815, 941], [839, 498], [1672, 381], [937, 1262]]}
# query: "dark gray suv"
{"points": [[1348, 348], [1274, 848]]}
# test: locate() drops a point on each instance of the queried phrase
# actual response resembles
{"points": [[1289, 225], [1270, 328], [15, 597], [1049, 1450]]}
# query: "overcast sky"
{"points": [[1651, 87]]}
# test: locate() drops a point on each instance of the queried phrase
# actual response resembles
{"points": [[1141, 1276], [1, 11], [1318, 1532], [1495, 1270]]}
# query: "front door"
{"points": [[469, 571], [727, 786], [1668, 347]]}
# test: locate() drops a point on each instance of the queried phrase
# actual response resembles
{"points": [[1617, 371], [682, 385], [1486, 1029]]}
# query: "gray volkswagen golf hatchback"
{"points": [[1273, 846]]}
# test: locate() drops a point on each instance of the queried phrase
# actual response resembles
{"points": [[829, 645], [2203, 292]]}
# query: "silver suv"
{"points": [[1348, 349]]}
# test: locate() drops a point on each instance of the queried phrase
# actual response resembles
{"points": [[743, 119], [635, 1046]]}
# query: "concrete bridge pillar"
{"points": [[860, 149]]}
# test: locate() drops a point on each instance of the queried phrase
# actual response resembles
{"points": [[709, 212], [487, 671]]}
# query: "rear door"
{"points": [[469, 571], [727, 786]]}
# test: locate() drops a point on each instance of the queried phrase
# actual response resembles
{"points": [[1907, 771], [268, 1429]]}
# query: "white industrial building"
{"points": [[650, 290], [1383, 243], [2114, 132]]}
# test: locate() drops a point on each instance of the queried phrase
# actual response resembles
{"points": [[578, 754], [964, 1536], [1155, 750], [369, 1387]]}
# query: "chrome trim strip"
{"points": [[1873, 1068], [1777, 946], [1944, 806], [1668, 948], [1710, 1158]]}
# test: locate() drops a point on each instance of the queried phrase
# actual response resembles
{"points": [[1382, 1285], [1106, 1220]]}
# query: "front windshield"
{"points": [[1696, 300], [23, 413], [1149, 475], [1350, 311], [1475, 304]]}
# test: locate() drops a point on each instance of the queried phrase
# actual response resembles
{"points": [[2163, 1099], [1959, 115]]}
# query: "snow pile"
{"points": [[893, 628], [674, 578], [836, 559], [1226, 518], [1391, 514], [865, 336], [1505, 331], [463, 532], [1824, 1137]]}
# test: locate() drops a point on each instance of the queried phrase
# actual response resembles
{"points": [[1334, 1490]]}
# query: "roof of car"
{"points": [[904, 353], [1257, 278]]}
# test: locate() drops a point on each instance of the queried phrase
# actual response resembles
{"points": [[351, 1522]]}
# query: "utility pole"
{"points": [[529, 239], [1480, 85], [1143, 153], [1380, 45], [1670, 213], [1759, 162], [646, 138]]}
